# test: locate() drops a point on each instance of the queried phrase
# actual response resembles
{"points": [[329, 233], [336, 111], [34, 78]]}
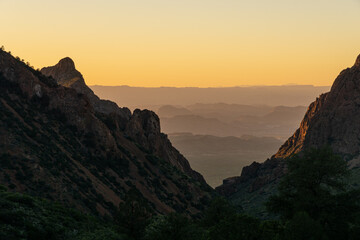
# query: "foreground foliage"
{"points": [[314, 201], [25, 217]]}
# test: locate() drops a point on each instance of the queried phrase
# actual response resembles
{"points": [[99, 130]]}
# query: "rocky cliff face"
{"points": [[143, 126], [296, 142], [59, 140], [332, 119]]}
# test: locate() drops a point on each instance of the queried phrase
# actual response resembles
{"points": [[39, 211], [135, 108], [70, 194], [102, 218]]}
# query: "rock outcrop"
{"points": [[143, 126], [66, 75], [332, 119], [59, 140]]}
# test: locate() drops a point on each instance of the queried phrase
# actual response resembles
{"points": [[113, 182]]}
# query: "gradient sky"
{"points": [[201, 43]]}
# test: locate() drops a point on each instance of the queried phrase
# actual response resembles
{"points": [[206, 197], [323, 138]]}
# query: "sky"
{"points": [[187, 43]]}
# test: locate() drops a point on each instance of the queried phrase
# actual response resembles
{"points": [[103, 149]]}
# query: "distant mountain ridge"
{"points": [[223, 119], [60, 141], [134, 97]]}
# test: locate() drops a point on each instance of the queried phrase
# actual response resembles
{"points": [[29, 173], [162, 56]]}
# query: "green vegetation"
{"points": [[253, 202], [41, 135], [133, 214], [26, 217], [315, 200], [173, 226]]}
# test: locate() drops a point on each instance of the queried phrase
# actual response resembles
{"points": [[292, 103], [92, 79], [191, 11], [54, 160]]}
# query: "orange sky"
{"points": [[201, 43]]}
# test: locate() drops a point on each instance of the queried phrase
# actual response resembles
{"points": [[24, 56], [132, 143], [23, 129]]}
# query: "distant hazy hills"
{"points": [[289, 95], [220, 157], [231, 119], [219, 143]]}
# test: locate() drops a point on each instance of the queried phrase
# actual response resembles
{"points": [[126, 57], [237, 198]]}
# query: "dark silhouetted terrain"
{"points": [[60, 141]]}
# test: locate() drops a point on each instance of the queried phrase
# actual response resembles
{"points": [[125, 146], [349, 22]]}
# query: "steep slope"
{"points": [[332, 119], [58, 140], [142, 126]]}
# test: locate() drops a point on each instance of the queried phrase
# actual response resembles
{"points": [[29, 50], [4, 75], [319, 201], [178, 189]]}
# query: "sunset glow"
{"points": [[201, 43]]}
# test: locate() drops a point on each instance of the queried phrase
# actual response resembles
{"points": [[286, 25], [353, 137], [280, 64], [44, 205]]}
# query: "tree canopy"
{"points": [[315, 190]]}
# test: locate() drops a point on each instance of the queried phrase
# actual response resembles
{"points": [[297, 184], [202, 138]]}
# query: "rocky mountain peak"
{"points": [[65, 73], [66, 64], [357, 62]]}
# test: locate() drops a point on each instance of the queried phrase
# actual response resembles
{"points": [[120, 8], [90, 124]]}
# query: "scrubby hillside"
{"points": [[59, 141]]}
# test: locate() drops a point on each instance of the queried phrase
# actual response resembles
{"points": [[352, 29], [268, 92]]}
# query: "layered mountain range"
{"points": [[331, 120], [60, 141], [133, 97], [231, 119]]}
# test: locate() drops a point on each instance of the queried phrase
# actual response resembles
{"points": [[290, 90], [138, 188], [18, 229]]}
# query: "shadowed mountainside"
{"points": [[60, 141]]}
